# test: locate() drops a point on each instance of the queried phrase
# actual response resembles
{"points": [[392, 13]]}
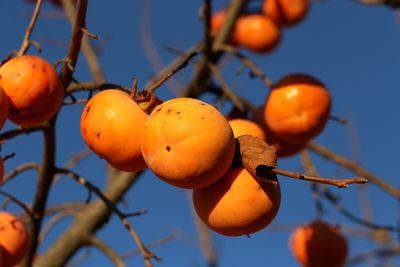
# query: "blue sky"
{"points": [[352, 48]]}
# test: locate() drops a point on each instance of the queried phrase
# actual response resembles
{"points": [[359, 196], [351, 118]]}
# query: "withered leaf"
{"points": [[257, 156]]}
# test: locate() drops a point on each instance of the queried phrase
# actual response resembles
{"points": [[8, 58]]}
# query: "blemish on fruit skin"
{"points": [[98, 135], [158, 110], [169, 110], [202, 117], [168, 148], [33, 66], [44, 70]]}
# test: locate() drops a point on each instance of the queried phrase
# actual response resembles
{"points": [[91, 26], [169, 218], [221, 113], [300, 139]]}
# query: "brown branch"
{"points": [[20, 169], [147, 255], [92, 86], [341, 183], [151, 245], [354, 167], [19, 131], [53, 221], [45, 179], [75, 43], [18, 202], [202, 74], [86, 222], [27, 39], [180, 65], [107, 250], [255, 70], [383, 252]]}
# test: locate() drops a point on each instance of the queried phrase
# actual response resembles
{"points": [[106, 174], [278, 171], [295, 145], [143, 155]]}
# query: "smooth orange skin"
{"points": [[3, 108], [112, 125], [14, 239], [237, 204], [217, 20], [257, 33], [283, 148], [286, 12], [318, 244], [297, 108], [243, 126], [34, 89], [187, 143]]}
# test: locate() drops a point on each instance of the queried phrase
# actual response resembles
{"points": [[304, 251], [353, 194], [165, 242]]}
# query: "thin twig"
{"points": [[147, 255], [178, 67], [18, 202], [20, 169], [341, 183], [255, 70], [107, 250], [19, 131], [151, 245], [354, 167], [53, 221], [27, 39]]}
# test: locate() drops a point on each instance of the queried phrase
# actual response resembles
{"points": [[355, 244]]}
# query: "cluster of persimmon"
{"points": [[14, 239], [318, 244], [261, 32], [188, 144]]}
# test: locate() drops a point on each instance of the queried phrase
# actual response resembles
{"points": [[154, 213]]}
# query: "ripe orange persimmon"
{"points": [[286, 12], [283, 147], [297, 108], [257, 33], [318, 244], [13, 239], [244, 126], [3, 107], [238, 203], [112, 125], [217, 19], [188, 143], [33, 87]]}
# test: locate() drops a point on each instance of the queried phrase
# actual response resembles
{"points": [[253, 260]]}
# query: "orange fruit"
{"points": [[238, 203], [14, 239], [187, 143], [33, 88], [286, 12], [283, 147], [257, 33], [111, 125], [297, 108], [244, 126], [318, 244], [3, 108], [217, 19]]}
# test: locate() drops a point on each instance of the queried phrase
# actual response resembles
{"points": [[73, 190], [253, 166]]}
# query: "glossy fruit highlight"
{"points": [[112, 125], [13, 239], [187, 143], [33, 88], [318, 244], [238, 203], [297, 108]]}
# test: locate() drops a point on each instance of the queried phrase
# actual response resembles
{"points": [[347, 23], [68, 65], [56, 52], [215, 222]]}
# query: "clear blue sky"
{"points": [[353, 49]]}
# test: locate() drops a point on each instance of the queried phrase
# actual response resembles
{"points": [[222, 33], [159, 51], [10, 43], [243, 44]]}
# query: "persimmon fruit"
{"points": [[297, 108], [257, 33], [318, 244], [286, 12], [111, 125], [283, 148], [13, 239], [238, 203], [245, 126], [3, 108], [33, 88], [187, 143]]}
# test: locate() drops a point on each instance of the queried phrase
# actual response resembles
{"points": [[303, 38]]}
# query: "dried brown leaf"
{"points": [[257, 156]]}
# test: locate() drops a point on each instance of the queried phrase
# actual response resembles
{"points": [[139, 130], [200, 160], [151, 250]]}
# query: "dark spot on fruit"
{"points": [[169, 110], [84, 131], [0, 77], [202, 104], [202, 117], [34, 66], [98, 135], [178, 112], [159, 109], [44, 70], [168, 148]]}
